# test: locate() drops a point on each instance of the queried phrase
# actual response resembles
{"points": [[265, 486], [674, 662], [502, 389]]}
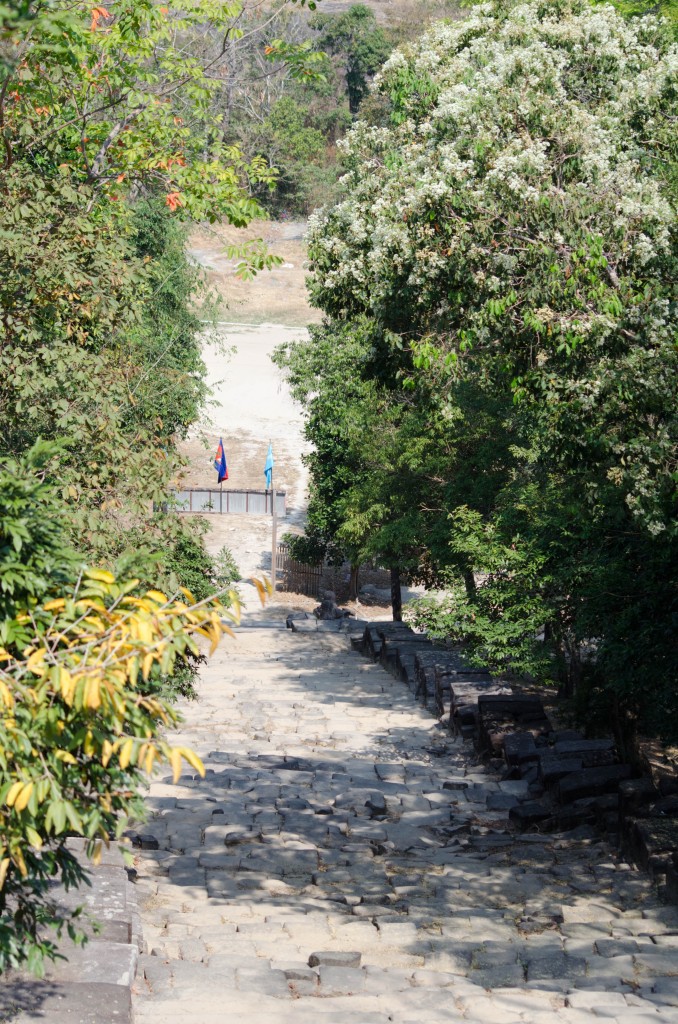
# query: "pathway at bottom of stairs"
{"points": [[339, 864]]}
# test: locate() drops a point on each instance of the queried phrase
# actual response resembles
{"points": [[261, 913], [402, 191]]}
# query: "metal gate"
{"points": [[225, 502]]}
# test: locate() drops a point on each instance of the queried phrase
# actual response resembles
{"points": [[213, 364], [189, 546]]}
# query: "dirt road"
{"points": [[250, 405]]}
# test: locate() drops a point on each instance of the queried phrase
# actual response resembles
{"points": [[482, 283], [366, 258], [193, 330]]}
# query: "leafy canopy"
{"points": [[509, 230]]}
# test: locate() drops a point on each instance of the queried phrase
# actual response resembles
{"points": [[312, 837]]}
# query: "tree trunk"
{"points": [[230, 90], [353, 584], [470, 584], [396, 595]]}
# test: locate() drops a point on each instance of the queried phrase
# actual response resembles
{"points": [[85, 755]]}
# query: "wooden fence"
{"points": [[300, 578], [230, 502]]}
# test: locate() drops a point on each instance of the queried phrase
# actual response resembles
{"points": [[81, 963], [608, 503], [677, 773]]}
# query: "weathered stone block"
{"points": [[334, 959], [648, 838], [501, 801], [592, 782], [579, 747], [553, 768], [83, 1003], [520, 747], [107, 963], [529, 813], [341, 981]]}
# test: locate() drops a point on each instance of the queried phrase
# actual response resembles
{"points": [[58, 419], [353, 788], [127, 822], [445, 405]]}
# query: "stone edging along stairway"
{"points": [[569, 781], [93, 985]]}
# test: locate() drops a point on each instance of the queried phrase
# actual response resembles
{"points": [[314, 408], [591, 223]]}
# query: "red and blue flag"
{"points": [[220, 463]]}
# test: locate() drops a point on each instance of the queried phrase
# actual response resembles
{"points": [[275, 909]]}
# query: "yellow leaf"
{"points": [[187, 594], [147, 665], [140, 629], [264, 587], [67, 684], [56, 605], [6, 695], [193, 760], [92, 694], [97, 853], [125, 754], [94, 620], [175, 761], [157, 595], [35, 662], [4, 865], [106, 752], [132, 670], [33, 837], [65, 756], [102, 575], [13, 793], [150, 758], [18, 859], [21, 801]]}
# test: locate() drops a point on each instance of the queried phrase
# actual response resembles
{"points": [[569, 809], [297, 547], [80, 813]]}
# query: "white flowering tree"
{"points": [[509, 226]]}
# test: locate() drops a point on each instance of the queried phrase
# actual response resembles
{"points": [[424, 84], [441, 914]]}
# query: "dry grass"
{"points": [[274, 296], [413, 13]]}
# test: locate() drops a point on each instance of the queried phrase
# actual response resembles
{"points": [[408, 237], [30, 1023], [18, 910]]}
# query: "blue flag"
{"points": [[268, 468], [220, 463]]}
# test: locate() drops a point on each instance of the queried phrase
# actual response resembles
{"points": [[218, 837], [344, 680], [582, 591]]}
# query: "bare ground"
{"points": [[276, 296]]}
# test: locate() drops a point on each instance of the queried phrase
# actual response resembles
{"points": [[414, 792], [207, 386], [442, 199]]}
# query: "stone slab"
{"points": [[65, 1003], [108, 963]]}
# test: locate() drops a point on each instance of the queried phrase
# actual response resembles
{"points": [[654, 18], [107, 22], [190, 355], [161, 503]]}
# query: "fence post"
{"points": [[274, 538]]}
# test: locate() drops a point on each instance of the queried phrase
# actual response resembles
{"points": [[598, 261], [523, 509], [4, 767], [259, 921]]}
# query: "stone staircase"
{"points": [[349, 860], [93, 984]]}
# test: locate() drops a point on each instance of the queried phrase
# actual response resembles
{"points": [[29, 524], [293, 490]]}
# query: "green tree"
{"points": [[99, 348], [510, 233], [82, 721], [361, 45]]}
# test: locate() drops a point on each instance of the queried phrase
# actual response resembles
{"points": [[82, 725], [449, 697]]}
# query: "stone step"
{"points": [[377, 872]]}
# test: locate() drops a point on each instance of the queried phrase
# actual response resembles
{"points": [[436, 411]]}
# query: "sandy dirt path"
{"points": [[251, 407], [251, 404]]}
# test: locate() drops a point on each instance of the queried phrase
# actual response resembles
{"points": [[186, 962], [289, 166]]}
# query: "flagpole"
{"points": [[274, 539]]}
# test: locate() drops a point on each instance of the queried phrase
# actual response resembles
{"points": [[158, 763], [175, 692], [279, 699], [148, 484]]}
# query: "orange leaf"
{"points": [[173, 199], [121, 177], [97, 14]]}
